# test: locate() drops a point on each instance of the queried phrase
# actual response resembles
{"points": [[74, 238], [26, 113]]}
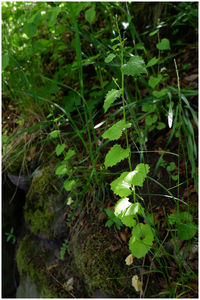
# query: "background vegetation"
{"points": [[72, 70]]}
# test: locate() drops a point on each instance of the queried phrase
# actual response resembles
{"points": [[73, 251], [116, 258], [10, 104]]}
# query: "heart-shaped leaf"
{"points": [[141, 240], [163, 45], [153, 81], [60, 149]]}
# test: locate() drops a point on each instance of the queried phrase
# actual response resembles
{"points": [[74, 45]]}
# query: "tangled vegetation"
{"points": [[106, 93]]}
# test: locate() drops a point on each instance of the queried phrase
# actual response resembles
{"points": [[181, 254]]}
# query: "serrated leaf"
{"points": [[141, 240], [123, 184], [153, 81], [139, 174], [120, 187], [171, 167], [109, 58], [110, 98], [68, 185], [163, 45], [90, 14], [60, 149], [152, 62], [69, 154], [115, 155], [134, 67], [115, 131], [161, 93], [54, 134], [127, 211], [62, 170]]}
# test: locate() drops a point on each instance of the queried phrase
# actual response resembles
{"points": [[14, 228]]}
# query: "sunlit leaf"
{"points": [[115, 132], [115, 155], [141, 240]]}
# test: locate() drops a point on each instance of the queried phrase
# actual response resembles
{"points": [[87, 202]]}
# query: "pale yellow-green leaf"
{"points": [[129, 259], [136, 283]]}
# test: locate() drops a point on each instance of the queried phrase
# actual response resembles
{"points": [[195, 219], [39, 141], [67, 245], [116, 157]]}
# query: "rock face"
{"points": [[91, 265]]}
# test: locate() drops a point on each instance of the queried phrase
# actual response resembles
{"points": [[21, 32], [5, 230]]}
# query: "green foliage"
{"points": [[10, 236], [115, 155], [186, 228], [112, 219], [60, 149], [115, 131], [163, 45], [134, 67], [141, 240], [110, 98], [63, 249]]}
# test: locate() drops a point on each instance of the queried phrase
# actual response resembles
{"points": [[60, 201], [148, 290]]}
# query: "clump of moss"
{"points": [[31, 260], [39, 207], [101, 268]]}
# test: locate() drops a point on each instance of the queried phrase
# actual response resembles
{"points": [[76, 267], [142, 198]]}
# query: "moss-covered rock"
{"points": [[43, 210], [100, 263], [39, 266]]}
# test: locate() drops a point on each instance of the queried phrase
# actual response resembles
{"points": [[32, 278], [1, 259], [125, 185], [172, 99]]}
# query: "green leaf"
{"points": [[174, 177], [69, 154], [5, 61], [161, 125], [141, 240], [163, 45], [137, 177], [110, 98], [62, 170], [68, 184], [114, 132], [153, 81], [185, 226], [54, 134], [123, 185], [60, 149], [120, 187], [30, 29], [161, 93], [186, 231], [90, 14], [152, 62], [135, 66], [115, 155], [151, 119], [171, 167], [109, 223], [109, 58], [127, 211]]}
